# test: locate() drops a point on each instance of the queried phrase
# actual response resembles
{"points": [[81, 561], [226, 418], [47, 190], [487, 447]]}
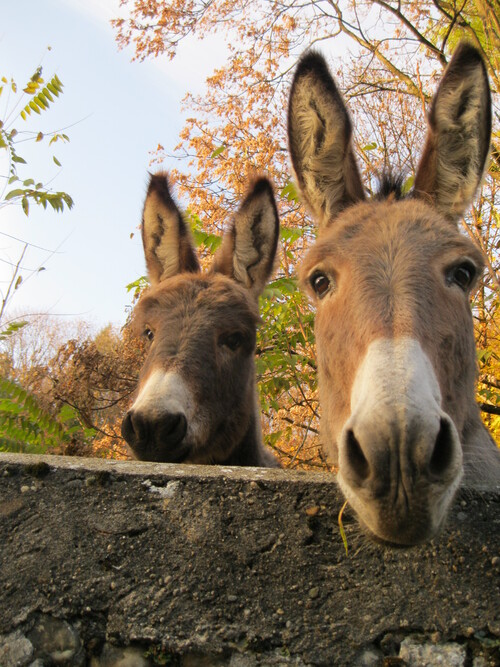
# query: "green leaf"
{"points": [[291, 234], [210, 241], [12, 328], [37, 74], [18, 159], [289, 192], [137, 285], [25, 205], [218, 151], [67, 199], [41, 101], [407, 185], [48, 94], [370, 147], [56, 161], [53, 89], [14, 193]]}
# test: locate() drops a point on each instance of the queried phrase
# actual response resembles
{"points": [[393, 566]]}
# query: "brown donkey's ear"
{"points": [[166, 238], [249, 247], [458, 140], [319, 134]]}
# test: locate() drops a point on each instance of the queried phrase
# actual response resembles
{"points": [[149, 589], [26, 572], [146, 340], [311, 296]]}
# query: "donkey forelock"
{"points": [[391, 279]]}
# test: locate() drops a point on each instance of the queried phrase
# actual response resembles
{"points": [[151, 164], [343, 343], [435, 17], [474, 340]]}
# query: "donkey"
{"points": [[391, 279], [197, 400]]}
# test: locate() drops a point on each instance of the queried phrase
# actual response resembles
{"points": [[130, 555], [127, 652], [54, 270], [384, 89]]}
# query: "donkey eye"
{"points": [[462, 275], [320, 283], [233, 341], [149, 334]]}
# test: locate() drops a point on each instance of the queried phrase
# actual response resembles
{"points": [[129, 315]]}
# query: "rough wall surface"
{"points": [[125, 564]]}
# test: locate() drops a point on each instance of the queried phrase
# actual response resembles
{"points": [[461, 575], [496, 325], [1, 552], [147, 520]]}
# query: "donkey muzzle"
{"points": [[400, 457], [156, 439]]}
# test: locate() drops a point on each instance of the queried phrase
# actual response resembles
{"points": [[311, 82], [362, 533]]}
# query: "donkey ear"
{"points": [[319, 134], [458, 140], [166, 238], [249, 247]]}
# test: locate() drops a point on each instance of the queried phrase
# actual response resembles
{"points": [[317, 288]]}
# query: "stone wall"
{"points": [[127, 564]]}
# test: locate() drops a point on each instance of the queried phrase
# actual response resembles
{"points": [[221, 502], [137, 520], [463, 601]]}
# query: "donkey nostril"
{"points": [[443, 453], [173, 428], [355, 456], [134, 428]]}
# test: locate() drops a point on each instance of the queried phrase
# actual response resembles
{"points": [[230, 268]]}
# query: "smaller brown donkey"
{"points": [[391, 278], [197, 400]]}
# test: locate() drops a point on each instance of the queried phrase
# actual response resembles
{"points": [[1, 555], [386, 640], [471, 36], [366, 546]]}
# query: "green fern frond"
{"points": [[26, 427]]}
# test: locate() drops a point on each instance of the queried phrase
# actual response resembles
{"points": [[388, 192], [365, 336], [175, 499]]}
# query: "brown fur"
{"points": [[195, 318], [390, 266]]}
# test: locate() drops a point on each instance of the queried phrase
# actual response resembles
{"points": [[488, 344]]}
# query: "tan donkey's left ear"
{"points": [[249, 246], [458, 140], [166, 238]]}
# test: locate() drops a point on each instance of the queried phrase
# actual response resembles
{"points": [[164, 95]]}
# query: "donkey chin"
{"points": [[408, 523]]}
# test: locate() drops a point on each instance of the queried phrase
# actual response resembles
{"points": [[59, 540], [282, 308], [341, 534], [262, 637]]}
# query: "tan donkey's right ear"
{"points": [[319, 136], [166, 238]]}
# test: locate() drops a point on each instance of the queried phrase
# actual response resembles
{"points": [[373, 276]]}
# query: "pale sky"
{"points": [[115, 113]]}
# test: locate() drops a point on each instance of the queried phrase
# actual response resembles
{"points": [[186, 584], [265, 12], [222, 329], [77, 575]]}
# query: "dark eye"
{"points": [[320, 283], [462, 275], [231, 340], [149, 334]]}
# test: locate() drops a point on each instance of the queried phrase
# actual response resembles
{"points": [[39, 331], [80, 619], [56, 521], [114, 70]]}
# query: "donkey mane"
{"points": [[390, 186]]}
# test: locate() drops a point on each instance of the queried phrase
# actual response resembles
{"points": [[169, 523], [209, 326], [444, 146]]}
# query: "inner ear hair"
{"points": [[166, 238], [457, 144], [319, 131], [249, 247]]}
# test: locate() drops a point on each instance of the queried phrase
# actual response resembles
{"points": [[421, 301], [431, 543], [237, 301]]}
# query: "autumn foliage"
{"points": [[387, 57]]}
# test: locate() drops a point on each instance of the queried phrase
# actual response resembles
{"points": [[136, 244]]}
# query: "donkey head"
{"points": [[196, 399], [391, 279]]}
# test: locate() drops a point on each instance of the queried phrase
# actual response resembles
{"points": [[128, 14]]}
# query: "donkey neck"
{"points": [[250, 450]]}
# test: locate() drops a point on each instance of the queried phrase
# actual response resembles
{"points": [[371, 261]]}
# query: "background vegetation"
{"points": [[388, 59]]}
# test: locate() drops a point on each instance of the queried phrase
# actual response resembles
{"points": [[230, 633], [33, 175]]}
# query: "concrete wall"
{"points": [[125, 564]]}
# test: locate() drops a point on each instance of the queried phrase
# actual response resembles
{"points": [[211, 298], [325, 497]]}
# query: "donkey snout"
{"points": [[400, 477], [154, 438], [377, 456]]}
